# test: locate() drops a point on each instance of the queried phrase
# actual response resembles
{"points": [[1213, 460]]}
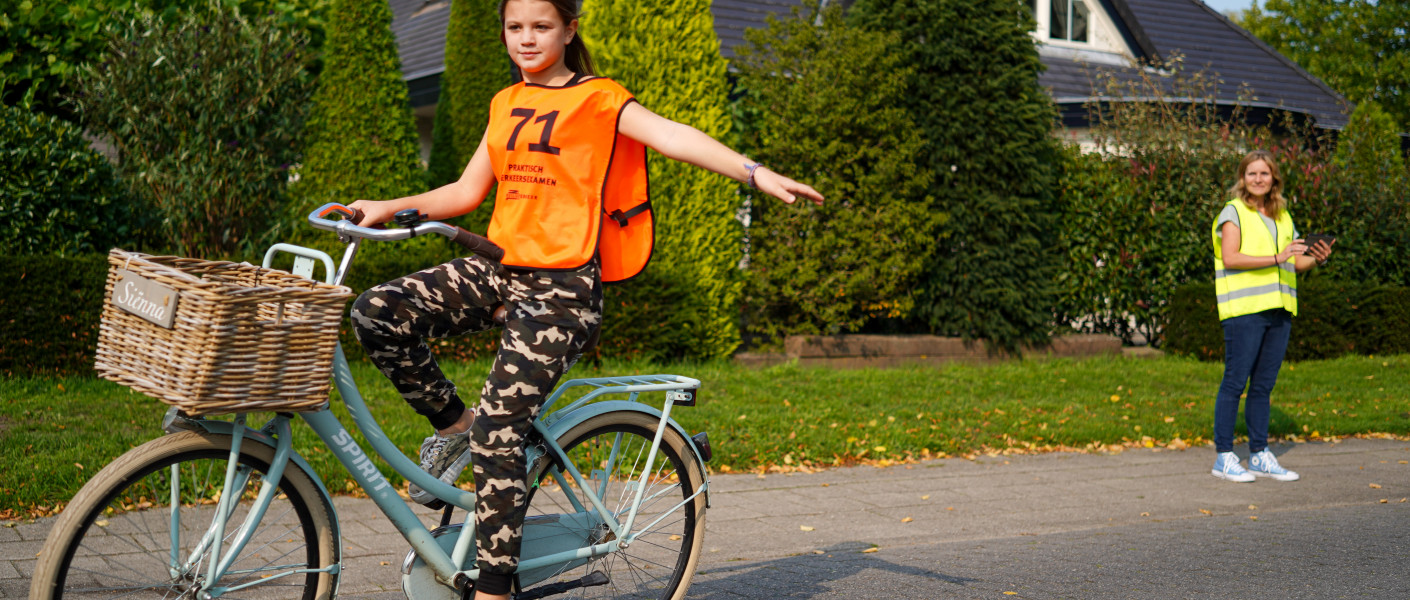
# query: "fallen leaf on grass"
{"points": [[1010, 593], [1206, 512], [1252, 507], [1384, 500], [925, 497], [870, 550], [907, 520], [1145, 514], [818, 552], [1169, 419], [1375, 486], [805, 528], [1253, 517]]}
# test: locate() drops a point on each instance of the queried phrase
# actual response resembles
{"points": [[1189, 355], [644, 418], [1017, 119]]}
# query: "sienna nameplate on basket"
{"points": [[145, 298]]}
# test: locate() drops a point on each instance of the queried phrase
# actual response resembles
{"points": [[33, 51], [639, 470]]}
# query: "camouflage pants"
{"points": [[551, 316]]}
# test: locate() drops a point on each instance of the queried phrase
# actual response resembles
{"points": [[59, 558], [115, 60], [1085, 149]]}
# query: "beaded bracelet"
{"points": [[750, 179]]}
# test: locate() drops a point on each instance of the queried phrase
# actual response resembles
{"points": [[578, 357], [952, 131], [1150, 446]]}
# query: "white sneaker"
{"points": [[444, 458], [1264, 464], [1226, 466]]}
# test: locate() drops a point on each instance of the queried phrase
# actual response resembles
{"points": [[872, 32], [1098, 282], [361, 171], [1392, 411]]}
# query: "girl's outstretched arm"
{"points": [[682, 142], [450, 200]]}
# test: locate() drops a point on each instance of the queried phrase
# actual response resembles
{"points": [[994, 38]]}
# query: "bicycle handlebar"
{"points": [[348, 228]]}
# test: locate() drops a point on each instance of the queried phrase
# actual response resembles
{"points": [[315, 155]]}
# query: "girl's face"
{"points": [[536, 36], [1258, 178]]}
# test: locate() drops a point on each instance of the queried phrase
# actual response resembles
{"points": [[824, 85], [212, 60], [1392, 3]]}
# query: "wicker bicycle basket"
{"points": [[242, 338]]}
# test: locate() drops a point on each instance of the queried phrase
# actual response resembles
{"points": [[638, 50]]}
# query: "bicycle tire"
{"points": [[109, 542], [660, 562]]}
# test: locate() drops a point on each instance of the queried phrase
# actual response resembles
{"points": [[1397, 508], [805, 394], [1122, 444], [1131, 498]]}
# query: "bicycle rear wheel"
{"points": [[121, 538], [611, 450]]}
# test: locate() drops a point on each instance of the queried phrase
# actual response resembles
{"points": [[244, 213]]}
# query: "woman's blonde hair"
{"points": [[576, 56], [1274, 201]]}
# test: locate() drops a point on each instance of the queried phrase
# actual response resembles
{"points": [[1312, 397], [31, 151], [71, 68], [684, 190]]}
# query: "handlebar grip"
{"points": [[478, 244]]}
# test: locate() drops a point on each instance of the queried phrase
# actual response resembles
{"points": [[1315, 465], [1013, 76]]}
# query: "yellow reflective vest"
{"points": [[1247, 291]]}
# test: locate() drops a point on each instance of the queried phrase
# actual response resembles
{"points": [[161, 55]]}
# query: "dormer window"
{"points": [[1067, 20], [1078, 25]]}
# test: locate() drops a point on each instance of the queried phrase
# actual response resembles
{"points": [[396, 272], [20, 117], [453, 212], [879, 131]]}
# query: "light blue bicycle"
{"points": [[218, 509]]}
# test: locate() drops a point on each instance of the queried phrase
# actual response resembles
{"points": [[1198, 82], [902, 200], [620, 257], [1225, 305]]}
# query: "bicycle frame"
{"points": [[446, 566]]}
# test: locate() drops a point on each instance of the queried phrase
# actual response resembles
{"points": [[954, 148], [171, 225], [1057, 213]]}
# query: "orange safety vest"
{"points": [[561, 167]]}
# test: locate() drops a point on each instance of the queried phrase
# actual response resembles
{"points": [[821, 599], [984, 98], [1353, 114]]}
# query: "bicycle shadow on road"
{"points": [[809, 575]]}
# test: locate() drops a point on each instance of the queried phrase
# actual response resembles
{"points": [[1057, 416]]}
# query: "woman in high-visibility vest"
{"points": [[1257, 256], [567, 150]]}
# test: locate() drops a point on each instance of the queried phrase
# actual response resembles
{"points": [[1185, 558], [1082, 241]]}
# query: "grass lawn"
{"points": [[55, 433]]}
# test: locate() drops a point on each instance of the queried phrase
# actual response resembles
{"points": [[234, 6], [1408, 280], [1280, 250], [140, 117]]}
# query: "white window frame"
{"points": [[1044, 10]]}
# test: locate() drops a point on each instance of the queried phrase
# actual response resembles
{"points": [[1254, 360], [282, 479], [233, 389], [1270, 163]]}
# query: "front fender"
{"points": [[559, 425]]}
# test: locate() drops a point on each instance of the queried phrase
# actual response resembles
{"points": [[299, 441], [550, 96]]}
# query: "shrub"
{"points": [[1135, 217], [43, 336], [669, 56], [361, 138], [57, 195], [47, 43], [824, 102], [205, 110], [1370, 144], [987, 127], [1334, 318]]}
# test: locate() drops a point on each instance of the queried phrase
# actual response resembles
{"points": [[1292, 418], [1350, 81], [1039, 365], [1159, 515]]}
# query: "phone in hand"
{"points": [[1313, 238]]}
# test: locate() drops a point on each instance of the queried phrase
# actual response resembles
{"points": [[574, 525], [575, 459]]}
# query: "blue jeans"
{"points": [[1254, 346]]}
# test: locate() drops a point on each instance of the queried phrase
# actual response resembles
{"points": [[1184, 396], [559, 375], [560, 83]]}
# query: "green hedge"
{"points": [[1334, 318], [50, 306]]}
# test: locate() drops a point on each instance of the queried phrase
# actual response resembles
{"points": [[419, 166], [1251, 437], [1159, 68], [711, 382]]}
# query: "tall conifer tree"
{"points": [[476, 67], [988, 128], [362, 141], [668, 55]]}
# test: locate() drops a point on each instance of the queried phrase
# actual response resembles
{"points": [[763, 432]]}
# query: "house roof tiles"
{"points": [[1162, 28], [1208, 41]]}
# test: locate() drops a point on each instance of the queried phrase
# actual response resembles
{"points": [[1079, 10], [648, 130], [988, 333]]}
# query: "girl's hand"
{"points": [[374, 212], [783, 188]]}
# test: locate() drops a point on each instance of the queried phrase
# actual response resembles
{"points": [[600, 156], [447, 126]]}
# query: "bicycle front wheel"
{"points": [[141, 528], [612, 450]]}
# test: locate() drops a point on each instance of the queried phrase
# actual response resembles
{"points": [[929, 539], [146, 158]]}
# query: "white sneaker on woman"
{"points": [[1264, 464], [1226, 466]]}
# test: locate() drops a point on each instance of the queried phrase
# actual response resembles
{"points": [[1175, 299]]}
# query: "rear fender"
{"points": [[560, 425]]}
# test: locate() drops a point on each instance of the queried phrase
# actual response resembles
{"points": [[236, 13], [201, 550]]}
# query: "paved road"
{"points": [[1139, 524]]}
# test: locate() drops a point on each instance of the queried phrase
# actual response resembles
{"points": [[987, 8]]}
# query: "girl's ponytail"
{"points": [[577, 57]]}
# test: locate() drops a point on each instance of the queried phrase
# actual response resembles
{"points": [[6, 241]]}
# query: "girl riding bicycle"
{"points": [[567, 149]]}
